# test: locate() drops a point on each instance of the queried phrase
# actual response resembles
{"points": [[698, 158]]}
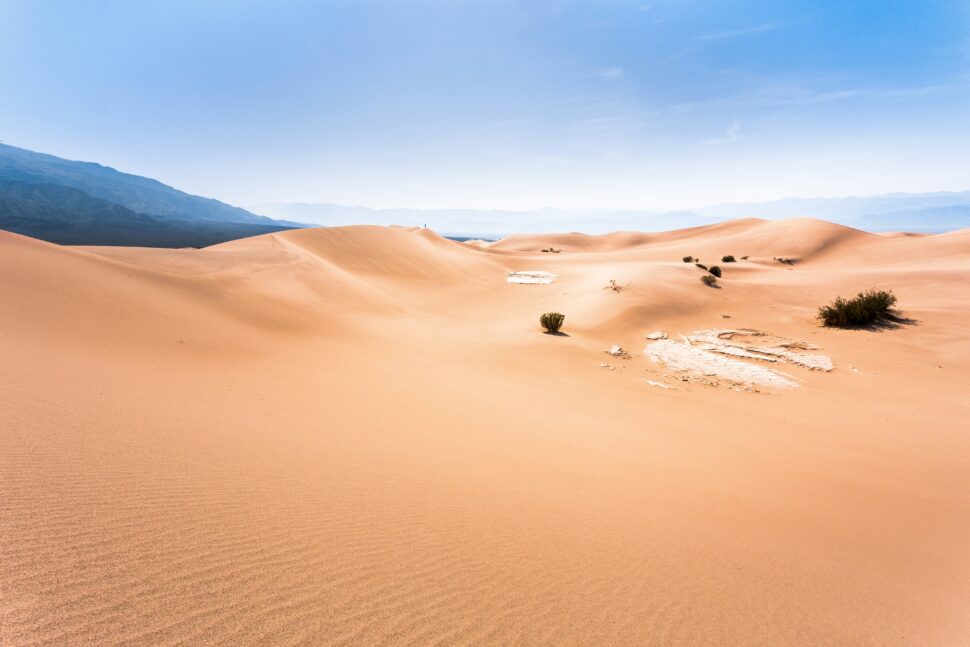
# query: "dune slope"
{"points": [[360, 436]]}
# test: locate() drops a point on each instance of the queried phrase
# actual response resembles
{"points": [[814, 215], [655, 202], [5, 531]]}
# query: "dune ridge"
{"points": [[360, 435]]}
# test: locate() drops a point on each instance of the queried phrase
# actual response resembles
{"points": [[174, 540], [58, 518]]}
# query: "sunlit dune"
{"points": [[361, 435]]}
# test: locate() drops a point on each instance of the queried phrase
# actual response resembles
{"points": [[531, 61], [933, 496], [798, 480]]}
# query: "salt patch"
{"points": [[531, 277], [684, 358], [754, 344]]}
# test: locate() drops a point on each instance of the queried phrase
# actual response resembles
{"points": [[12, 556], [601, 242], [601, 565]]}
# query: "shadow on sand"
{"points": [[889, 322]]}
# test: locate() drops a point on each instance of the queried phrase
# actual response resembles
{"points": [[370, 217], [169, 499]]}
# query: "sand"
{"points": [[361, 435]]}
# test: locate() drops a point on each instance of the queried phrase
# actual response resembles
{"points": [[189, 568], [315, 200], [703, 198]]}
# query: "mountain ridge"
{"points": [[85, 203]]}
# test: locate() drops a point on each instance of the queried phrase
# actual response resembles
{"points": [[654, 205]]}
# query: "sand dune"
{"points": [[359, 435]]}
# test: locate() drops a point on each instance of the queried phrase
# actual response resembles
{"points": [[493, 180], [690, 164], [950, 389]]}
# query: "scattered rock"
{"points": [[659, 334], [617, 351]]}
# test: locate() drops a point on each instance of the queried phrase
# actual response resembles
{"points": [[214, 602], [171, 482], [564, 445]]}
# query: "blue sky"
{"points": [[496, 104]]}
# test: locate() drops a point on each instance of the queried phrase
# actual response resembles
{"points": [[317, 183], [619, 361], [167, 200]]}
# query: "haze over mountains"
{"points": [[83, 203], [916, 212]]}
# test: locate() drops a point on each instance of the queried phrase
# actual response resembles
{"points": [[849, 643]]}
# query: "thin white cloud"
{"points": [[732, 134], [602, 122], [698, 43], [784, 94], [744, 31], [610, 73]]}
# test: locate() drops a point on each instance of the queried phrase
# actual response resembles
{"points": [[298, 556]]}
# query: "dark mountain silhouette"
{"points": [[82, 203]]}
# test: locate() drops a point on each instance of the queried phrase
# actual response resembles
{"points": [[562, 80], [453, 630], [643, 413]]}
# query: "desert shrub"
{"points": [[715, 270], [744, 258], [703, 267], [709, 280], [552, 321], [727, 259], [688, 259], [866, 308]]}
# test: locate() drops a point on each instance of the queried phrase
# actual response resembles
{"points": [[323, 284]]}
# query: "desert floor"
{"points": [[360, 435]]}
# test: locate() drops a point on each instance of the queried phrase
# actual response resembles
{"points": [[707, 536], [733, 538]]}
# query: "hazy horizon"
{"points": [[499, 105]]}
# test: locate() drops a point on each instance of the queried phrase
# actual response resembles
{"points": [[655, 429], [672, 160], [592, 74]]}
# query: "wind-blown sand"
{"points": [[360, 436]]}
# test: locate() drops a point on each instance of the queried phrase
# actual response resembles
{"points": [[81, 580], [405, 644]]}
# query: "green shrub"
{"points": [[688, 259], [869, 307], [715, 270], [703, 267], [709, 280], [552, 321], [727, 259]]}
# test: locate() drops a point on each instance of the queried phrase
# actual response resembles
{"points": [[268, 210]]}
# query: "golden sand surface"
{"points": [[360, 435]]}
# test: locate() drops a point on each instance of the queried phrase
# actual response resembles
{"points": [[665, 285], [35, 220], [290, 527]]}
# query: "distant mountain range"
{"points": [[918, 212], [82, 203]]}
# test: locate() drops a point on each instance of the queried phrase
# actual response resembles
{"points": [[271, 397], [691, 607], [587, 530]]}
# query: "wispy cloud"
{"points": [[699, 43], [784, 94], [733, 133], [744, 31], [610, 73], [603, 122]]}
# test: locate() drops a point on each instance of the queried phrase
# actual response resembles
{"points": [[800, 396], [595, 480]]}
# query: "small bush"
{"points": [[709, 280], [688, 259], [715, 270], [703, 267], [744, 258], [552, 321], [727, 259], [869, 307]]}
